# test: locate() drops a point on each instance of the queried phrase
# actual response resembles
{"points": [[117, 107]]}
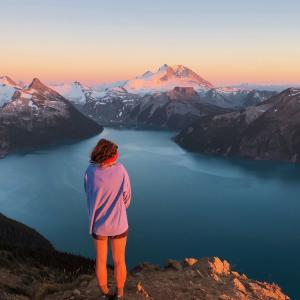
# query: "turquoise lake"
{"points": [[184, 204]]}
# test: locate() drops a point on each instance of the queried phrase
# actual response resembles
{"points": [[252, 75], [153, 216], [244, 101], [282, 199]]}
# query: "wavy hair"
{"points": [[104, 150]]}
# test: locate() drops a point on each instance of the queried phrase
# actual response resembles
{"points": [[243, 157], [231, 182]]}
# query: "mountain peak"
{"points": [[179, 67], [166, 79], [7, 80], [147, 74], [37, 85], [184, 73], [77, 83], [163, 67]]}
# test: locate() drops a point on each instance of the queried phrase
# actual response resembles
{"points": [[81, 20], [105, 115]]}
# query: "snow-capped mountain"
{"points": [[165, 79], [172, 93], [37, 115]]}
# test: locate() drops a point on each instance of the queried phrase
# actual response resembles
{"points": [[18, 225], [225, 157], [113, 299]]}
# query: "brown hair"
{"points": [[103, 150]]}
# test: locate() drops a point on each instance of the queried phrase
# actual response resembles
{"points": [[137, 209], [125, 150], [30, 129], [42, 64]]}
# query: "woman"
{"points": [[108, 191]]}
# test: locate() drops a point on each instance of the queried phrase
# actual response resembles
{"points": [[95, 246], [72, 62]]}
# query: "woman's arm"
{"points": [[127, 189]]}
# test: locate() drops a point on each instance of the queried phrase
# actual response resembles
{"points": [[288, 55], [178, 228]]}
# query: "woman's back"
{"points": [[108, 195], [108, 191]]}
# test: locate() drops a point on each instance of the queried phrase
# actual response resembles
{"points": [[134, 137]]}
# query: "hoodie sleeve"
{"points": [[127, 189], [85, 181], [90, 204]]}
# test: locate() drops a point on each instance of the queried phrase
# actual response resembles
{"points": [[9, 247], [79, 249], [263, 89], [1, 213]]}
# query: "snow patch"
{"points": [[295, 94], [25, 95], [6, 93], [32, 105], [75, 92]]}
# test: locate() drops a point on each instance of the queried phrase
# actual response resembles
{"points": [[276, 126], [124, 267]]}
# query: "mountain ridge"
{"points": [[37, 115], [268, 131]]}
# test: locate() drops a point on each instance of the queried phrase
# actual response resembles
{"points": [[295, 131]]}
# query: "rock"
{"points": [[225, 297], [92, 284], [235, 274], [190, 261], [267, 291], [67, 294], [174, 264], [141, 290], [83, 284], [76, 292], [238, 285], [145, 267], [218, 266]]}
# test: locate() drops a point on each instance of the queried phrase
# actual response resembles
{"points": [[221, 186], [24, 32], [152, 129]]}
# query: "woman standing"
{"points": [[108, 191]]}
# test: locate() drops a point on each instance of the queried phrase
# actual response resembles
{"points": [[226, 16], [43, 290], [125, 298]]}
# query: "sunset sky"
{"points": [[93, 41]]}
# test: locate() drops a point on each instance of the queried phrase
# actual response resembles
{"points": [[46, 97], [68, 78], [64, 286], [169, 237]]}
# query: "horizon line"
{"points": [[102, 82]]}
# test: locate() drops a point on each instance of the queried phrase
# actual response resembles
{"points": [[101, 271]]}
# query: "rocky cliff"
{"points": [[30, 268]]}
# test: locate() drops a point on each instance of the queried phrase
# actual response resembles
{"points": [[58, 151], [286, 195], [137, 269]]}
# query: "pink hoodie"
{"points": [[108, 194]]}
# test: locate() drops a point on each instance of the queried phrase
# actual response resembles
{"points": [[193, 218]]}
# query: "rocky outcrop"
{"points": [[38, 116], [268, 131], [207, 278], [33, 272]]}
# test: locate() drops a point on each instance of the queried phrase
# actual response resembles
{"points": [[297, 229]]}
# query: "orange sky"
{"points": [[93, 42]]}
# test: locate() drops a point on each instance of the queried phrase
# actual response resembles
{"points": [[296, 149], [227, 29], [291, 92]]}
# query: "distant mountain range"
{"points": [[222, 120], [267, 131], [37, 115], [147, 100], [165, 79]]}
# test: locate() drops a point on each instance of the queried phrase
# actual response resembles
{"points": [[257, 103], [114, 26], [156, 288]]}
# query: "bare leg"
{"points": [[101, 260], [120, 272]]}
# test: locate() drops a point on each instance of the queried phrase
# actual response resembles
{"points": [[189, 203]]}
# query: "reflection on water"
{"points": [[184, 204]]}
